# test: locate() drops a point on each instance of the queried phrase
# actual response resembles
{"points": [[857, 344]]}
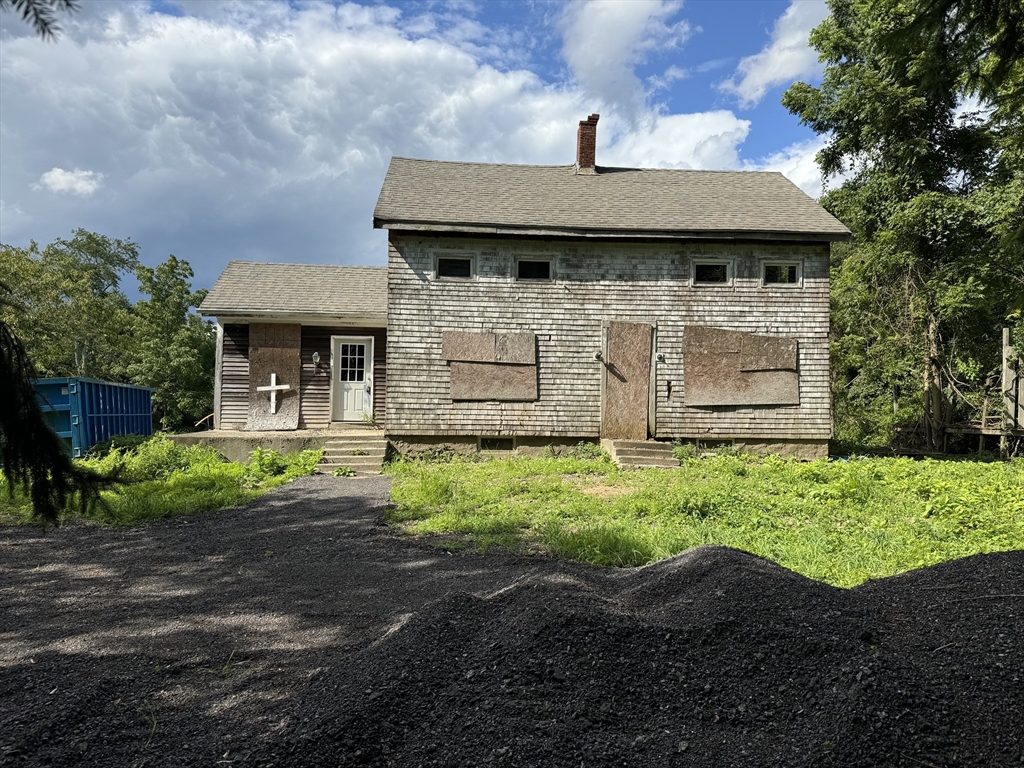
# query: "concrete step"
{"points": [[355, 451], [354, 461], [650, 444], [356, 444], [649, 463], [654, 453], [369, 457], [634, 454]]}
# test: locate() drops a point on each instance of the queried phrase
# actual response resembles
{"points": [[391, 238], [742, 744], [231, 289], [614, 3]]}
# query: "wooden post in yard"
{"points": [[1008, 398], [984, 420]]}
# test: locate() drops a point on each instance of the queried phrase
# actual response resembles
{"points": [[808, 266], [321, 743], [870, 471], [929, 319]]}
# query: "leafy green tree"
{"points": [[75, 321], [175, 348], [932, 195]]}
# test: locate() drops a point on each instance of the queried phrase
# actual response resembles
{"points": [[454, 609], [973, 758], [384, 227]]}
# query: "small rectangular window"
{"points": [[781, 274], [711, 272], [496, 443], [452, 267], [533, 269]]}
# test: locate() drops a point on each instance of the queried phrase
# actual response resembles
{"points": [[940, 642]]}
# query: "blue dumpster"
{"points": [[84, 412]]}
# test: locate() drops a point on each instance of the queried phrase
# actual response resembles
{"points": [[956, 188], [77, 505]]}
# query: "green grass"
{"points": [[840, 522], [161, 479]]}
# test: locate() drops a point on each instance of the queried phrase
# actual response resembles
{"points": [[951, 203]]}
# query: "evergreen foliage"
{"points": [[33, 458]]}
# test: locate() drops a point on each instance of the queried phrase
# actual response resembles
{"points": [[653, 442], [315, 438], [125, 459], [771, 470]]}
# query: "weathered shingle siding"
{"points": [[595, 282]]}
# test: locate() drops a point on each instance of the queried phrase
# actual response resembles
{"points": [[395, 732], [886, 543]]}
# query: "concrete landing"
{"points": [[236, 445]]}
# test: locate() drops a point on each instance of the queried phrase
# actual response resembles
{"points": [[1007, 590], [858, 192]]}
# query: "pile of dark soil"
{"points": [[712, 658]]}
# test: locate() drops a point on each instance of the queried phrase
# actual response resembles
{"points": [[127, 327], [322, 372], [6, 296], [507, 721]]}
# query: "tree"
{"points": [[933, 196], [175, 349], [74, 318], [41, 14], [31, 454]]}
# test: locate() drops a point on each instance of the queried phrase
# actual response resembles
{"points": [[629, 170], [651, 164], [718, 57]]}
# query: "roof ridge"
{"points": [[306, 264], [599, 168]]}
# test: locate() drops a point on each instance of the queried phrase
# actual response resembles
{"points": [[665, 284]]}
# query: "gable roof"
{"points": [[266, 289], [557, 199]]}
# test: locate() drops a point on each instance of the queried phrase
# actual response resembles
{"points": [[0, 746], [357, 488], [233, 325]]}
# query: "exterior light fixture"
{"points": [[599, 356], [316, 358]]}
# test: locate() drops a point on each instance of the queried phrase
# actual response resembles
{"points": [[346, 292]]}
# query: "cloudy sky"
{"points": [[261, 129]]}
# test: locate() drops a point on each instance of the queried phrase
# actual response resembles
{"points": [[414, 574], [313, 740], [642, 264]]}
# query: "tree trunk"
{"points": [[934, 403]]}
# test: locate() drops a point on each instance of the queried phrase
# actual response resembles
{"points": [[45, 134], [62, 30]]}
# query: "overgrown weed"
{"points": [[842, 522], [160, 478]]}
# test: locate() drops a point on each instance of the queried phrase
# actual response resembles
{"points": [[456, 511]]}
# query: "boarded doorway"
{"points": [[627, 381]]}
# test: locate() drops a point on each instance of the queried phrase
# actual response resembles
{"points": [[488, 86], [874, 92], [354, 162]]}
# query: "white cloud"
{"points": [[702, 140], [244, 131], [796, 162], [74, 182], [669, 76], [787, 56], [603, 42]]}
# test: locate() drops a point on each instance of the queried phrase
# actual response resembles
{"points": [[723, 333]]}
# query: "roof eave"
{"points": [[494, 229], [236, 314]]}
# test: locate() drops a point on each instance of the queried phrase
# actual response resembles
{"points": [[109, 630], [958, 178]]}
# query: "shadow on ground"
{"points": [[119, 645]]}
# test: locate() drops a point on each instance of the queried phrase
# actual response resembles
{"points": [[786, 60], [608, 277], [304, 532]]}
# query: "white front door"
{"points": [[351, 378]]}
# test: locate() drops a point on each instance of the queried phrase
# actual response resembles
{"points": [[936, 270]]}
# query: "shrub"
{"points": [[118, 442], [160, 478]]}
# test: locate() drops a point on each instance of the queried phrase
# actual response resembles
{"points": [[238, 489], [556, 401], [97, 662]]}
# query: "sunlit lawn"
{"points": [[838, 521]]}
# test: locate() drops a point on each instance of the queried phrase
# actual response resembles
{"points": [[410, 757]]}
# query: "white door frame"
{"points": [[368, 374]]}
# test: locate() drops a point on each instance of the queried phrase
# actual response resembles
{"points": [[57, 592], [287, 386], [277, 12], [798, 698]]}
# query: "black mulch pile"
{"points": [[712, 658], [300, 631]]}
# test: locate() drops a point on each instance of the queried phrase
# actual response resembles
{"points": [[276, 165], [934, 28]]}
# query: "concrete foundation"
{"points": [[464, 445], [236, 445], [420, 445]]}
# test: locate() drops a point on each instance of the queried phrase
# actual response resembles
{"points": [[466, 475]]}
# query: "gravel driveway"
{"points": [[206, 624], [299, 631]]}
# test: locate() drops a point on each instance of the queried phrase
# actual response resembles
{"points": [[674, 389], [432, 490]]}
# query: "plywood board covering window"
{"points": [[733, 368], [491, 366]]}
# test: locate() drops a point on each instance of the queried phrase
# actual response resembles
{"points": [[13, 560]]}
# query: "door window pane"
{"points": [[352, 362]]}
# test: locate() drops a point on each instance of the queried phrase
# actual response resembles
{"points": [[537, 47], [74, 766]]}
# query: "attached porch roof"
{"points": [[265, 290]]}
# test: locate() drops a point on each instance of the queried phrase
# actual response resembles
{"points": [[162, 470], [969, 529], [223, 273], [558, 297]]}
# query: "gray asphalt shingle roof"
{"points": [[612, 200], [254, 287]]}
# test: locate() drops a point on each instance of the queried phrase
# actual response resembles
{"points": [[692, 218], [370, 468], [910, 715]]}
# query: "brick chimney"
{"points": [[586, 145]]}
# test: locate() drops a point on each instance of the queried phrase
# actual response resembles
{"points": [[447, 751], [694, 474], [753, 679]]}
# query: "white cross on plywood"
{"points": [[273, 389]]}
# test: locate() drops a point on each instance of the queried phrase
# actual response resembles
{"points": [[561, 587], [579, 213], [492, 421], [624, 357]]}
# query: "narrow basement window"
{"points": [[711, 273], [533, 269], [497, 443], [781, 273], [452, 267]]}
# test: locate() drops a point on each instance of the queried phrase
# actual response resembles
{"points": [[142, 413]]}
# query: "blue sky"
{"points": [[261, 129]]}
